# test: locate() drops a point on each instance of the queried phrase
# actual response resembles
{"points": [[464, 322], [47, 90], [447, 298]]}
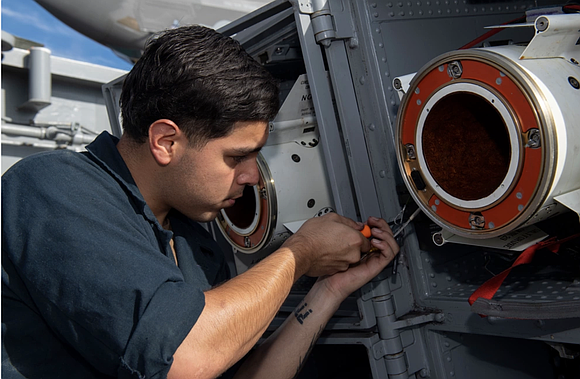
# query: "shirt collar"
{"points": [[104, 150]]}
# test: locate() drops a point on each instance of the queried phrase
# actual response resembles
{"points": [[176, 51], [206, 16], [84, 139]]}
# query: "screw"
{"points": [[310, 203], [454, 69], [574, 82], [477, 221], [438, 239], [397, 83], [534, 139], [296, 158], [411, 153], [542, 24]]}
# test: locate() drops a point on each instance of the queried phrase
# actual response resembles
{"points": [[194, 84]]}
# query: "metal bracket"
{"points": [[402, 84], [556, 37]]}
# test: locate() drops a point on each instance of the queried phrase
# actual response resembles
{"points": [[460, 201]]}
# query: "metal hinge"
{"points": [[328, 24]]}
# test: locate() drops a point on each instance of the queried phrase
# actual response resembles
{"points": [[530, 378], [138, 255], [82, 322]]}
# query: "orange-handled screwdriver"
{"points": [[366, 232]]}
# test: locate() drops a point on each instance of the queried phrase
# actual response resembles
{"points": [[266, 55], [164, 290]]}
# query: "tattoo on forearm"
{"points": [[302, 358], [301, 312]]}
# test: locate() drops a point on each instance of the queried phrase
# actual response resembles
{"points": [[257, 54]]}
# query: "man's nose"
{"points": [[250, 175]]}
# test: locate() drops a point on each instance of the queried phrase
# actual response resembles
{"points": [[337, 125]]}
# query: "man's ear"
{"points": [[163, 134]]}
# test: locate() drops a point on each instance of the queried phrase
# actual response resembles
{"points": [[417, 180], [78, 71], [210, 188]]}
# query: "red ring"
{"points": [[507, 210]]}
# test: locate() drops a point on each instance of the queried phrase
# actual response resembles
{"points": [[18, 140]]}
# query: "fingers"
{"points": [[328, 244], [345, 220], [379, 223], [383, 237], [365, 244], [389, 247]]}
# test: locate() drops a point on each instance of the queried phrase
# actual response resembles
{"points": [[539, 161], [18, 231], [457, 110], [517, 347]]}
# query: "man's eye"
{"points": [[239, 159]]}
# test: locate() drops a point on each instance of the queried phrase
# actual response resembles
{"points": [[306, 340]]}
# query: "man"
{"points": [[106, 272]]}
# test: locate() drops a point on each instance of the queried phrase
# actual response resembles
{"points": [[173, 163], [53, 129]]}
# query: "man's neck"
{"points": [[145, 173]]}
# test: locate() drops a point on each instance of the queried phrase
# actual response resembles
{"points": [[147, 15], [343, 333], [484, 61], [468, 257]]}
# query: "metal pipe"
{"points": [[50, 133]]}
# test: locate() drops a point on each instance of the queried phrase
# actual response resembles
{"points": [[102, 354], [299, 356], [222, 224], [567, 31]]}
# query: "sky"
{"points": [[26, 19]]}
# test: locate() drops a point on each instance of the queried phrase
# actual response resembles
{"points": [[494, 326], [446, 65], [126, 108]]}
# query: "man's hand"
{"points": [[344, 283], [283, 354], [327, 245]]}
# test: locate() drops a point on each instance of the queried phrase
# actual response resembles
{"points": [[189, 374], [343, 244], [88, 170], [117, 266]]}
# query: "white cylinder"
{"points": [[40, 79], [486, 140]]}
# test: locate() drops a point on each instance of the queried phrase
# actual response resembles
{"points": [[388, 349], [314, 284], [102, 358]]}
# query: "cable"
{"points": [[491, 33]]}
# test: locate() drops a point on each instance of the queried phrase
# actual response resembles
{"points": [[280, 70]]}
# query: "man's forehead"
{"points": [[246, 138]]}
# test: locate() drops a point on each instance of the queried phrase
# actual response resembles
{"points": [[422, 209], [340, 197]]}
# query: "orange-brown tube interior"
{"points": [[466, 146]]}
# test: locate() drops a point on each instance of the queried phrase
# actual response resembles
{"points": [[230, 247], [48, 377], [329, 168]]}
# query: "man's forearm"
{"points": [[235, 316], [284, 353]]}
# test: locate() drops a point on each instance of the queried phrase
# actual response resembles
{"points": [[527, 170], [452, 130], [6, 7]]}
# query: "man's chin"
{"points": [[205, 217]]}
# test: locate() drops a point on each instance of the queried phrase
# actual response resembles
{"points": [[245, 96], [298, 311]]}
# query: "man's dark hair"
{"points": [[203, 81]]}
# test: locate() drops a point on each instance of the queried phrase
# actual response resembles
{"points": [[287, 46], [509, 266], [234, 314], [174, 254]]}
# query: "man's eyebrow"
{"points": [[246, 151]]}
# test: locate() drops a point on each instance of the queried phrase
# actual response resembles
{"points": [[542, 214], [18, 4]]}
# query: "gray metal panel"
{"points": [[330, 138], [392, 42], [352, 129]]}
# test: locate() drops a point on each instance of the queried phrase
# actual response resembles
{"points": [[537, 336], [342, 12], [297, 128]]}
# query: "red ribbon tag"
{"points": [[488, 289]]}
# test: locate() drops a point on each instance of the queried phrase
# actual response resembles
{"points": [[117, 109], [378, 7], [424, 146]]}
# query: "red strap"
{"points": [[488, 289]]}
